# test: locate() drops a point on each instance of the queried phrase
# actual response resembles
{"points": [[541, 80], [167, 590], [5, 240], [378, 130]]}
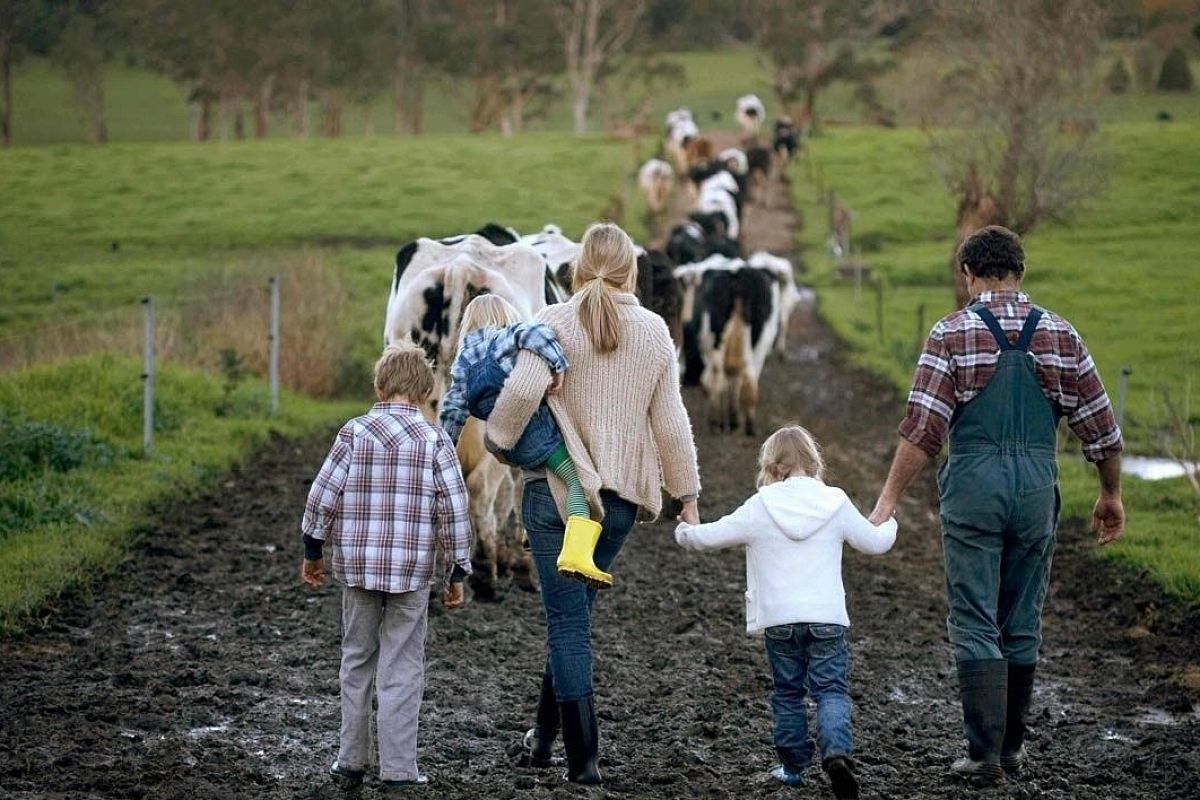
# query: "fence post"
{"points": [[273, 339], [1122, 388], [920, 328], [148, 379], [879, 307]]}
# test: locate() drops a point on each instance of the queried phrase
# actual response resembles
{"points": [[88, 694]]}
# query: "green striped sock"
{"points": [[560, 464]]}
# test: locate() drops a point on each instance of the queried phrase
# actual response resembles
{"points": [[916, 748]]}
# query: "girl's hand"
{"points": [[556, 382], [690, 513]]}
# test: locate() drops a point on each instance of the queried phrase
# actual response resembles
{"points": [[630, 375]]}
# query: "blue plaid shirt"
{"points": [[502, 346]]}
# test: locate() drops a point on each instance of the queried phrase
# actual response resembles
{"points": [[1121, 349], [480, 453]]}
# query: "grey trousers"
{"points": [[383, 647]]}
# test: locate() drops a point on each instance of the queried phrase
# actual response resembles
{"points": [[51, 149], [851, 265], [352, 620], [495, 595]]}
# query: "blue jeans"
{"points": [[567, 602], [809, 659], [541, 436]]}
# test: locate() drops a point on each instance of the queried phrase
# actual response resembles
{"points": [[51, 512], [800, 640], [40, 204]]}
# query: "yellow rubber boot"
{"points": [[579, 544]]}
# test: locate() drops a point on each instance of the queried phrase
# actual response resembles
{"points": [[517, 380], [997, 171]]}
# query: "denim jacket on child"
{"points": [[501, 345]]}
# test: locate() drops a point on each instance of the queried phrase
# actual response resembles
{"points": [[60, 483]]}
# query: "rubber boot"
{"points": [[581, 740], [984, 688], [539, 741], [1020, 692], [579, 545]]}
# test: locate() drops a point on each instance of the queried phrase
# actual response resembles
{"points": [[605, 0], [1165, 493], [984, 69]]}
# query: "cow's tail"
{"points": [[735, 341]]}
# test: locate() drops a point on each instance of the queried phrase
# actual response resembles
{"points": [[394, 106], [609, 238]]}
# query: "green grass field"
{"points": [[1121, 271]]}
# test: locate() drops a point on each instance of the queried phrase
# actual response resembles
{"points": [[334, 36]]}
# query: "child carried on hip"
{"points": [[492, 334], [793, 529]]}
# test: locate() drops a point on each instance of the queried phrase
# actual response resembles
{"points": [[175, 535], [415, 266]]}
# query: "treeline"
{"points": [[249, 62]]}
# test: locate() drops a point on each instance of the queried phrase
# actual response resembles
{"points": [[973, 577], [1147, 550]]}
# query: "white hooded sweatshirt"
{"points": [[793, 532]]}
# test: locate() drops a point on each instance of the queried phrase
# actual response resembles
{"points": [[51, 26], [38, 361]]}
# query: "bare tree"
{"points": [[810, 45], [1014, 139], [16, 23], [595, 33]]}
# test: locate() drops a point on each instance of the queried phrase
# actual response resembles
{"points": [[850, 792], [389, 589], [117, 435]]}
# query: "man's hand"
{"points": [[690, 513], [312, 573], [454, 596], [556, 382], [884, 510], [1108, 518]]}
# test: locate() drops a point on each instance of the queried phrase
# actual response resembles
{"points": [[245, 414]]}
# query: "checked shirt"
{"points": [[390, 492], [960, 358]]}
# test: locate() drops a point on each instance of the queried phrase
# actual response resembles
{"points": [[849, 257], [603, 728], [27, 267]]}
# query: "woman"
{"points": [[623, 419]]}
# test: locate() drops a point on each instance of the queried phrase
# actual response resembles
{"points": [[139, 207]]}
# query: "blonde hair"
{"points": [[404, 371], [608, 259], [487, 311], [788, 452]]}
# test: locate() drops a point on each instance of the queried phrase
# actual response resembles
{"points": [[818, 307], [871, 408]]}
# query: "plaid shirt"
{"points": [[390, 491], [960, 358], [501, 345]]}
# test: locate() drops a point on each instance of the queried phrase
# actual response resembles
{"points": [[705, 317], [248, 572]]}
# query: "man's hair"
{"points": [[992, 252], [404, 370]]}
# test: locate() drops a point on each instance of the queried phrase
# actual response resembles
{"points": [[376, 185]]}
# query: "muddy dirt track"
{"points": [[203, 669]]}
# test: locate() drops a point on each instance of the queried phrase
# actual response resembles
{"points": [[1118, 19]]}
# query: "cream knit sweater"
{"points": [[621, 413]]}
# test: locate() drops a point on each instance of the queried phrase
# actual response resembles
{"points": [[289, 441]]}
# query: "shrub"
{"points": [[1176, 76], [1145, 65], [1119, 78], [30, 448]]}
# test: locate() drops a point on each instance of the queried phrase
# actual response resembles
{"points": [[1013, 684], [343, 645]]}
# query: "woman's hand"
{"points": [[690, 513]]}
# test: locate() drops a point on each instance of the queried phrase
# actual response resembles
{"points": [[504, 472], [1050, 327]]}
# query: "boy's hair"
{"points": [[992, 252], [403, 370], [788, 452], [487, 311]]}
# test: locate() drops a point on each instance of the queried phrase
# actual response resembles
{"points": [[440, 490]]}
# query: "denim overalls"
{"points": [[999, 507], [541, 436]]}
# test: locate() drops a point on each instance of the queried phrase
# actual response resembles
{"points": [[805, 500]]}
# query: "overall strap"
{"points": [[989, 319], [1031, 323]]}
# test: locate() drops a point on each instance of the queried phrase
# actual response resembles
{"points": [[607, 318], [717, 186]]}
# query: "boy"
{"points": [[390, 492]]}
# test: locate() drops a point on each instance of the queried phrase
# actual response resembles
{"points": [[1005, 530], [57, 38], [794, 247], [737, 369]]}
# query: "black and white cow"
{"points": [[750, 114], [698, 238], [787, 139]]}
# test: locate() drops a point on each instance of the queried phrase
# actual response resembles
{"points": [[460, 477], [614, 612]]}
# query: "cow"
{"points": [[697, 239], [787, 140], [655, 179], [555, 250], [697, 150], [430, 290], [681, 130], [736, 318], [716, 197], [734, 159], [750, 115], [758, 166], [789, 295]]}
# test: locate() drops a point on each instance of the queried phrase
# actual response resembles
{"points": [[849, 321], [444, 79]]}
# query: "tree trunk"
{"points": [[335, 106], [204, 121], [399, 99], [579, 104], [262, 107], [810, 107], [239, 121], [368, 120], [416, 106], [6, 64], [97, 116], [301, 111]]}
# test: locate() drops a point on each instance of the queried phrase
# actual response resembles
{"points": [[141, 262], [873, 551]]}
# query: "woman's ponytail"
{"points": [[608, 259]]}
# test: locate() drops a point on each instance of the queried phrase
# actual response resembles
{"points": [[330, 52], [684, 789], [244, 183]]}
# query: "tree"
{"points": [[1015, 147], [80, 52], [17, 21], [411, 19], [811, 45], [1175, 76], [1118, 80], [595, 34]]}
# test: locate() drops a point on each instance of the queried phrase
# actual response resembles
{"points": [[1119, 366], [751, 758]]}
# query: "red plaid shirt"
{"points": [[960, 358], [389, 493]]}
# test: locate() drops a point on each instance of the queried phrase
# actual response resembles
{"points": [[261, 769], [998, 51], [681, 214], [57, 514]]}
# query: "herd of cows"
{"points": [[725, 309]]}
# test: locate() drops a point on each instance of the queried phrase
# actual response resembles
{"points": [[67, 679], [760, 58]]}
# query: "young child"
{"points": [[793, 530], [389, 494], [491, 335]]}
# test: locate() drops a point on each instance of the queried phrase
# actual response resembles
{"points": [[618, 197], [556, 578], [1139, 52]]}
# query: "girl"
{"points": [[629, 435], [793, 530], [491, 335]]}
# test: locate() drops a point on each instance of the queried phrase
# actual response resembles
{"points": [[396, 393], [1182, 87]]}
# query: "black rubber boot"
{"points": [[581, 740], [840, 770], [983, 685], [1020, 692], [540, 738]]}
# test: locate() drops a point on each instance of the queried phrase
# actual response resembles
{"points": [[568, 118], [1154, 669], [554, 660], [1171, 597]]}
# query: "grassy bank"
{"points": [[1120, 272], [87, 231]]}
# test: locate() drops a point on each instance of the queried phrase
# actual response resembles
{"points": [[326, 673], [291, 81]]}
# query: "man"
{"points": [[995, 377]]}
